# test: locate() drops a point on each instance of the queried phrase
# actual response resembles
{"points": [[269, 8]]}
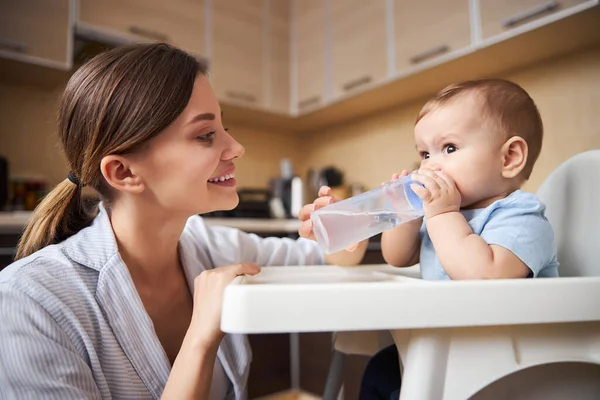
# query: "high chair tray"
{"points": [[378, 297]]}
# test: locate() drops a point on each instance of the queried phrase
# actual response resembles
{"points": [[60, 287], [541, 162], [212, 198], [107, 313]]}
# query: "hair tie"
{"points": [[75, 180]]}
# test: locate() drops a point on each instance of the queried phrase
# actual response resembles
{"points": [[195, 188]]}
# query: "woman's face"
{"points": [[188, 168]]}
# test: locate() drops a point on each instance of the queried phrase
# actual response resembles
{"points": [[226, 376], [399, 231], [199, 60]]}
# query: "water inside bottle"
{"points": [[337, 230]]}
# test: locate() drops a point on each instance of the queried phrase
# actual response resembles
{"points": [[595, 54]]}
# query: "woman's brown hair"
{"points": [[113, 104]]}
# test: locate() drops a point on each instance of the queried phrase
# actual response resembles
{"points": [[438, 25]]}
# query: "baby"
{"points": [[478, 143]]}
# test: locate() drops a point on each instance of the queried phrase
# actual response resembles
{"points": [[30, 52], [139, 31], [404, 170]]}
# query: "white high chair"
{"points": [[459, 362], [457, 339]]}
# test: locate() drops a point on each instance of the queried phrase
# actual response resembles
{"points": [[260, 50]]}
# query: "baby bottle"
{"points": [[347, 222]]}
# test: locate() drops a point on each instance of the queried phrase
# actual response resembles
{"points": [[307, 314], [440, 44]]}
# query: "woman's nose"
{"points": [[233, 150]]}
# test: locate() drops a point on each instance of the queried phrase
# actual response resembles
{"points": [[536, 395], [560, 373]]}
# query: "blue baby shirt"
{"points": [[516, 223]]}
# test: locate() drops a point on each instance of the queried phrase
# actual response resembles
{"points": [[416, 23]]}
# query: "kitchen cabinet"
{"points": [[238, 53], [358, 44], [305, 65], [36, 30], [426, 29], [310, 53], [498, 16], [278, 84], [179, 22]]}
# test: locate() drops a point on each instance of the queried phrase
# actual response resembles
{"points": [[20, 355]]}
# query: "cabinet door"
{"points": [[237, 58], [36, 28], [279, 74], [358, 44], [426, 29], [310, 53], [179, 22], [499, 16]]}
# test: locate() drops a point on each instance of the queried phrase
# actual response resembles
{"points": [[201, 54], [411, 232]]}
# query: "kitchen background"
{"points": [[316, 82]]}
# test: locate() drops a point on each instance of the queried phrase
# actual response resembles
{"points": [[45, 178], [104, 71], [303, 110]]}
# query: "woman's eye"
{"points": [[450, 149], [207, 137], [424, 155]]}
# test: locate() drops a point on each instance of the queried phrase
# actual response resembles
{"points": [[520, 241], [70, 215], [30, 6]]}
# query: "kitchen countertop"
{"points": [[13, 222]]}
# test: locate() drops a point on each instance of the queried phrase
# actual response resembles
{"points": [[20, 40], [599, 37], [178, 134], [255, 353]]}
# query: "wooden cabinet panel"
{"points": [[37, 28], [237, 59], [310, 56], [358, 43], [179, 22], [498, 16], [425, 29], [279, 40], [270, 369]]}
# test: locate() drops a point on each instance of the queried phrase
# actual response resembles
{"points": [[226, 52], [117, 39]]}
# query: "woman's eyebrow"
{"points": [[202, 117]]}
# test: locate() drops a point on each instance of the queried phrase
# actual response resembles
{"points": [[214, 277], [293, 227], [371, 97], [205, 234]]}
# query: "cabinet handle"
{"points": [[158, 36], [309, 101], [12, 46], [532, 12], [241, 96], [435, 51], [363, 80]]}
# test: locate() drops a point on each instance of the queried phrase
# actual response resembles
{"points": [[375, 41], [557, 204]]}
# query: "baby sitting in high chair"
{"points": [[478, 143]]}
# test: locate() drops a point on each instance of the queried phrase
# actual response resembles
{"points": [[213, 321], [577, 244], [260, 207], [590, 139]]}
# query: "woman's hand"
{"points": [[191, 375], [209, 287], [325, 198]]}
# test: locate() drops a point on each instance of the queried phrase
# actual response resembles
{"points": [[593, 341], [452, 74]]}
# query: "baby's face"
{"points": [[455, 138]]}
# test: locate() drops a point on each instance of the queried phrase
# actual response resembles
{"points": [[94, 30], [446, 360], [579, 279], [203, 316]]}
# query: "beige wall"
{"points": [[566, 90], [28, 139], [28, 132]]}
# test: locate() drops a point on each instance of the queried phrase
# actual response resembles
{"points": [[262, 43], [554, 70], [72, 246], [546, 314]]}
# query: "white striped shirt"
{"points": [[73, 326]]}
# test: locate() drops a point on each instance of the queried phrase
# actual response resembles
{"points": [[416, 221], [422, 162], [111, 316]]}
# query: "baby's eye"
{"points": [[424, 155], [450, 148]]}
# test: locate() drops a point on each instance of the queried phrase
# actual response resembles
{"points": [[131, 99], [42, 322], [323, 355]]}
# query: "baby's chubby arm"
{"points": [[401, 246], [462, 254]]}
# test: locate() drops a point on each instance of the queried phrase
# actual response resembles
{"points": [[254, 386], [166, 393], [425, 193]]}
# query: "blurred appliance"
{"points": [[4, 183], [328, 176], [286, 197], [254, 203]]}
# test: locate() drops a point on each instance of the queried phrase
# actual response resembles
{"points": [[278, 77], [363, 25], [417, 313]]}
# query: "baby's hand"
{"points": [[439, 195], [397, 176], [325, 198]]}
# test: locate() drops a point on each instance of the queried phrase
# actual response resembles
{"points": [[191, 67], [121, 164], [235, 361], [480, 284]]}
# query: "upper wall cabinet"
{"points": [[278, 71], [309, 34], [426, 29], [37, 30], [358, 44], [499, 16], [238, 54], [303, 65], [179, 22]]}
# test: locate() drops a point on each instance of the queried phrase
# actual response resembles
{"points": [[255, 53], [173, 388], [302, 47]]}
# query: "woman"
{"points": [[125, 301]]}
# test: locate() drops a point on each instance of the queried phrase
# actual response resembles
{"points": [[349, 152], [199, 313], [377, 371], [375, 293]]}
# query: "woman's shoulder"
{"points": [[47, 275]]}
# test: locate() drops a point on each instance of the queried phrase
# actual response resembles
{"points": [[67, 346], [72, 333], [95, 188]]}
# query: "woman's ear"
{"points": [[514, 155], [119, 174]]}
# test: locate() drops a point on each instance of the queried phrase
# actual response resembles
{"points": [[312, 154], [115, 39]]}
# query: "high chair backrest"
{"points": [[572, 197]]}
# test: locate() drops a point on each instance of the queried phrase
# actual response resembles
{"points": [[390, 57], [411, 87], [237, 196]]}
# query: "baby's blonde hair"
{"points": [[506, 105]]}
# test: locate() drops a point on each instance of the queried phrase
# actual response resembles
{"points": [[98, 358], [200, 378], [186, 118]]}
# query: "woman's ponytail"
{"points": [[59, 215]]}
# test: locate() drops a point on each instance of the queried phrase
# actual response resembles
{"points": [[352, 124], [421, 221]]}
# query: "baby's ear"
{"points": [[514, 153]]}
